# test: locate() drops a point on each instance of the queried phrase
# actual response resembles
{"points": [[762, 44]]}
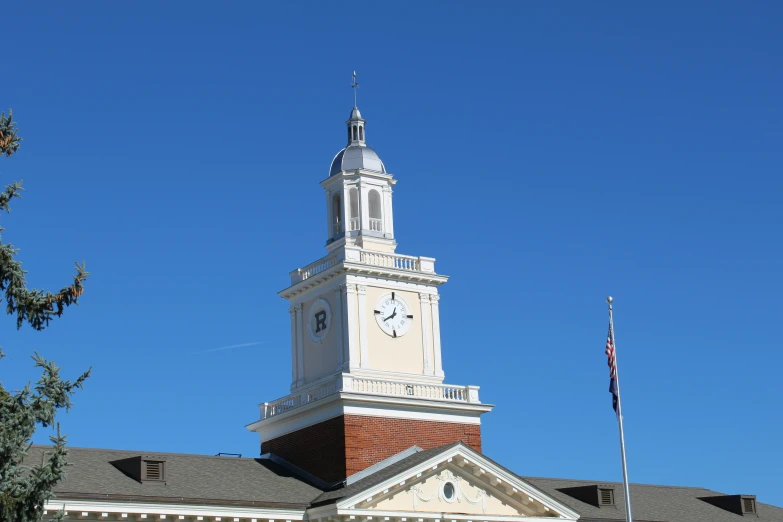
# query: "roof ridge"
{"points": [[144, 452], [614, 482]]}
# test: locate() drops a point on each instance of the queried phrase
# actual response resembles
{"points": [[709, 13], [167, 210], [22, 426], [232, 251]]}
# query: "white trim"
{"points": [[346, 403], [435, 515], [81, 506]]}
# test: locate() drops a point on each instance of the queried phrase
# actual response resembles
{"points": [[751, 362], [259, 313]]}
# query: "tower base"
{"points": [[341, 446]]}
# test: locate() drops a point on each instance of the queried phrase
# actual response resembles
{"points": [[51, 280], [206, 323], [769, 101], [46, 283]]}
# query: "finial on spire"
{"points": [[354, 86]]}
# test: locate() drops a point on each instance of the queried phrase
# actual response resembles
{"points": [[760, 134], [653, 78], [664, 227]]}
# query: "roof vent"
{"points": [[739, 504], [606, 496], [152, 470], [596, 495], [144, 468]]}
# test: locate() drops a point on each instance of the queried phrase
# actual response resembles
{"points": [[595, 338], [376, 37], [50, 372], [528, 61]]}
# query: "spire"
{"points": [[355, 122], [354, 86]]}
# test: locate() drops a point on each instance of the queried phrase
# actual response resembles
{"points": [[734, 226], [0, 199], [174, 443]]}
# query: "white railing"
{"points": [[350, 384], [354, 223], [359, 256], [310, 270], [397, 261], [407, 389], [376, 225]]}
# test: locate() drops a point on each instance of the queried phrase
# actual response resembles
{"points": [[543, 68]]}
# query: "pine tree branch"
{"points": [[9, 139]]}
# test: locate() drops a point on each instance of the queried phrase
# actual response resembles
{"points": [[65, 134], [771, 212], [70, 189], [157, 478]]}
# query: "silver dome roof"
{"points": [[356, 157]]}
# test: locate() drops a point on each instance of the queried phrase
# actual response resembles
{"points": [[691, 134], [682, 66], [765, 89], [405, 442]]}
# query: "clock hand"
{"points": [[392, 315]]}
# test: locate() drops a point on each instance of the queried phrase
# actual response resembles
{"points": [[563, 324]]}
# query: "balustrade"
{"points": [[376, 225], [348, 383]]}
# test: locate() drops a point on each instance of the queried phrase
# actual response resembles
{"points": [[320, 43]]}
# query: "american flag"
{"points": [[612, 362]]}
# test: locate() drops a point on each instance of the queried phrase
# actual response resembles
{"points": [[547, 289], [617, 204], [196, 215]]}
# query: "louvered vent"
{"points": [[606, 497], [154, 471], [748, 505]]}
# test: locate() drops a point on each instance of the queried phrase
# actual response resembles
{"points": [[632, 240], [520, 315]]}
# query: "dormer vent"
{"points": [[606, 496], [744, 505], [143, 468], [598, 495], [152, 470]]}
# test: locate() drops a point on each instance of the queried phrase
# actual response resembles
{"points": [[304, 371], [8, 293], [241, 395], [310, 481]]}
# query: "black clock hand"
{"points": [[394, 313]]}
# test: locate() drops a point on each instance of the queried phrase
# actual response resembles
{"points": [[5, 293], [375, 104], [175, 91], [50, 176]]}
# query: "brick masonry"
{"points": [[339, 447]]}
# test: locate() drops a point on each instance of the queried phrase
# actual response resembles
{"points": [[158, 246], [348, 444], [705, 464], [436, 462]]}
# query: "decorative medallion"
{"points": [[320, 320]]}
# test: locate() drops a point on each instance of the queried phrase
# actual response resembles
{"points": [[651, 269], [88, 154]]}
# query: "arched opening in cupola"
{"points": [[376, 215], [337, 222], [353, 202]]}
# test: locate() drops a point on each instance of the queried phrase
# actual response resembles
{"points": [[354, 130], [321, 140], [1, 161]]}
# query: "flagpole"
{"points": [[620, 418]]}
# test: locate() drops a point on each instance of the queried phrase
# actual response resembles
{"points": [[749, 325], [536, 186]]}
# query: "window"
{"points": [[355, 134], [748, 505], [361, 132], [449, 492], [376, 223], [336, 213]]}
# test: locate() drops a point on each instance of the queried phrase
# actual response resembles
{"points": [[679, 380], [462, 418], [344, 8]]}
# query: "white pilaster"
{"points": [[426, 332], [388, 217], [350, 325], [365, 347], [338, 326], [436, 334], [329, 233], [294, 364], [364, 204], [299, 345]]}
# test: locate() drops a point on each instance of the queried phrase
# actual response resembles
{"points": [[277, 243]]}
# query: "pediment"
{"points": [[459, 482]]}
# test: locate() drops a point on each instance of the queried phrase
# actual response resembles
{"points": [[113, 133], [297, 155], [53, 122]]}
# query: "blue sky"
{"points": [[548, 154]]}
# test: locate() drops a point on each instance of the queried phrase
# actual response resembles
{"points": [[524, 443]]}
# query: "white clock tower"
{"points": [[367, 375]]}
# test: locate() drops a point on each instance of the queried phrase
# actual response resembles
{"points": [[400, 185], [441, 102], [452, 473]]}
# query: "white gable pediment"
{"points": [[458, 482], [448, 490]]}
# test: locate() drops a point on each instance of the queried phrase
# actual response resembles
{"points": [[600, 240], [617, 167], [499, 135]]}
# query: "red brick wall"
{"points": [[318, 449], [339, 447]]}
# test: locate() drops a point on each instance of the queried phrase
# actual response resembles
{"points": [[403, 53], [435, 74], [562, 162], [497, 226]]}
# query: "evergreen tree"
{"points": [[25, 486]]}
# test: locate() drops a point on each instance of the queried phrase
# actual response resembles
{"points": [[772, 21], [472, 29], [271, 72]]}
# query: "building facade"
{"points": [[368, 430]]}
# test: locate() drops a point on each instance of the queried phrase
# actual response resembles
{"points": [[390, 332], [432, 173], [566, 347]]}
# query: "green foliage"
{"points": [[26, 486], [9, 140]]}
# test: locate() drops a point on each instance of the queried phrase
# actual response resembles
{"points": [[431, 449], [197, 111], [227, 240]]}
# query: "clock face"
{"points": [[320, 320], [393, 315]]}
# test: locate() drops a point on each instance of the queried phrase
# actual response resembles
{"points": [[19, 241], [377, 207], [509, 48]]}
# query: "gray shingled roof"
{"points": [[257, 482], [189, 479], [652, 503]]}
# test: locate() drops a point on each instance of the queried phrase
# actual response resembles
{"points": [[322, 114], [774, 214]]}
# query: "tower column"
{"points": [[338, 326], [436, 334], [388, 220], [299, 345], [426, 332], [294, 354], [364, 345], [350, 326]]}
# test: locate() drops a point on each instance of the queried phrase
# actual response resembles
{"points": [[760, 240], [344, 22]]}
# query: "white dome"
{"points": [[356, 157]]}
